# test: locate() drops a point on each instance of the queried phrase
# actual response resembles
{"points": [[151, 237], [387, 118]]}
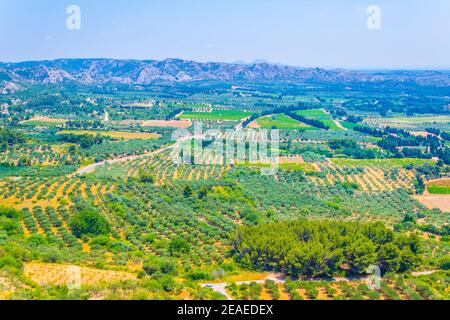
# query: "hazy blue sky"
{"points": [[325, 33]]}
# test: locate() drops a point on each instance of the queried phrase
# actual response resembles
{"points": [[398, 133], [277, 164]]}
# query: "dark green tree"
{"points": [[89, 223]]}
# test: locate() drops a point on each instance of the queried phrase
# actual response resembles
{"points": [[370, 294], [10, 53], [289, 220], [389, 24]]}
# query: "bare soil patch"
{"points": [[421, 133], [435, 201], [254, 125]]}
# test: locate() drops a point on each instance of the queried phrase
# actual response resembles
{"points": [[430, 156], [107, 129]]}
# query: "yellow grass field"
{"points": [[45, 120], [60, 274], [115, 134], [291, 159], [179, 124], [444, 182]]}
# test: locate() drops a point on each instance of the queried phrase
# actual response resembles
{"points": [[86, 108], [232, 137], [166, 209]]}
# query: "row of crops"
{"points": [[33, 154], [35, 190], [51, 223], [192, 202], [368, 178], [164, 170], [292, 195], [432, 287], [152, 216]]}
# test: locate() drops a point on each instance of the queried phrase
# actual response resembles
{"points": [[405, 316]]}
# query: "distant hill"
{"points": [[103, 71]]}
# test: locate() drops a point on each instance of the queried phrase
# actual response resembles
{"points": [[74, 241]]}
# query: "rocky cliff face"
{"points": [[102, 71]]}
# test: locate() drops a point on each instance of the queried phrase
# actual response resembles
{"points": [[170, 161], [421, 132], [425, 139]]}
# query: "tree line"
{"points": [[351, 149], [324, 248], [403, 144], [85, 141], [9, 138]]}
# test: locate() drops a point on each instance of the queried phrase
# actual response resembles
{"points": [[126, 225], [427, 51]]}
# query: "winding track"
{"points": [[90, 168]]}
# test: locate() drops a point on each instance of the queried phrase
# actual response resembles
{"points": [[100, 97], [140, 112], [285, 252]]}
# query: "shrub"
{"points": [[273, 288], [102, 241], [37, 239], [312, 293], [89, 223], [444, 263], [168, 283], [178, 245], [159, 265], [199, 275], [330, 290], [11, 227], [373, 295], [10, 261], [51, 255], [255, 290], [424, 291], [9, 213]]}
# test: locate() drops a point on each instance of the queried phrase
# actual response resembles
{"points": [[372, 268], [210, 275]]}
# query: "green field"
{"points": [[42, 124], [416, 123], [224, 115], [281, 121], [114, 134], [319, 115], [348, 125], [424, 119], [304, 167], [387, 162], [439, 186], [438, 189]]}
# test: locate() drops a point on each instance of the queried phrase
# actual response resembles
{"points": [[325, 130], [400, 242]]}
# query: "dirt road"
{"points": [[90, 168]]}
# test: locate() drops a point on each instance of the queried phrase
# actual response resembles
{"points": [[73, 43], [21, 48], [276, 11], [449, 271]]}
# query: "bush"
{"points": [[373, 295], [255, 290], [10, 261], [168, 266], [89, 223], [101, 241], [312, 293], [37, 239], [9, 213], [168, 283], [444, 263], [159, 265], [330, 290], [146, 177], [424, 291], [11, 227], [151, 266], [51, 255], [178, 245], [273, 289], [412, 295], [199, 275]]}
